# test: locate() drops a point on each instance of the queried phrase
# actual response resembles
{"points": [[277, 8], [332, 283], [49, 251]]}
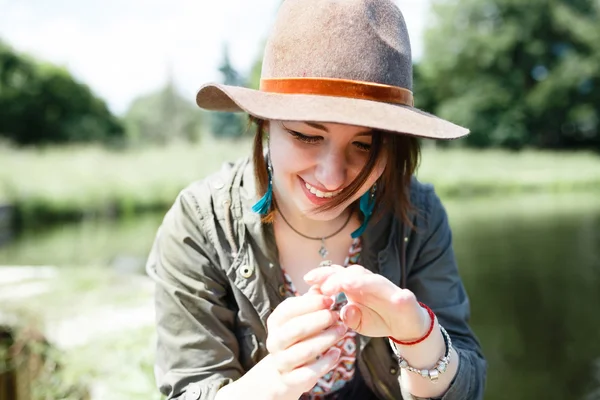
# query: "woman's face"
{"points": [[313, 162]]}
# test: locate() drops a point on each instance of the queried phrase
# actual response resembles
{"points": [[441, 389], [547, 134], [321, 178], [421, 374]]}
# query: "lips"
{"points": [[316, 196]]}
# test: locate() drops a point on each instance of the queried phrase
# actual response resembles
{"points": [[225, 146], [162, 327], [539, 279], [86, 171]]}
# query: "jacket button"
{"points": [[192, 392], [246, 271], [393, 370], [282, 290]]}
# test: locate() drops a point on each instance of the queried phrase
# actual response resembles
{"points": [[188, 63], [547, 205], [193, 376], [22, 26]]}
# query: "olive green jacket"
{"points": [[218, 279]]}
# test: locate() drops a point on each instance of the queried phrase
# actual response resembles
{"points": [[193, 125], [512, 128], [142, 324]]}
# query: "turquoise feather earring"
{"points": [[367, 205], [263, 206]]}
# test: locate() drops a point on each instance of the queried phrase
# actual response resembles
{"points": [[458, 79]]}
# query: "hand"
{"points": [[376, 307], [301, 332]]}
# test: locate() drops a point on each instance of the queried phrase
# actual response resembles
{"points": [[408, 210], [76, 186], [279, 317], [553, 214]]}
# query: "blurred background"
{"points": [[99, 132]]}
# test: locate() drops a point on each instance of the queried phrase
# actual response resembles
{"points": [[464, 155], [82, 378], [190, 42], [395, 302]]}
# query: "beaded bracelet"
{"points": [[441, 366]]}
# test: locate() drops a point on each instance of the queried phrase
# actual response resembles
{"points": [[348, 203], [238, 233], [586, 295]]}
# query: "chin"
{"points": [[329, 215]]}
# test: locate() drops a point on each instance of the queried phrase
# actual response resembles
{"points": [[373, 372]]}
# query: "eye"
{"points": [[304, 138], [363, 146]]}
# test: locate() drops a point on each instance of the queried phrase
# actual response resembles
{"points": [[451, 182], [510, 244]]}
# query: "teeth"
{"points": [[320, 194]]}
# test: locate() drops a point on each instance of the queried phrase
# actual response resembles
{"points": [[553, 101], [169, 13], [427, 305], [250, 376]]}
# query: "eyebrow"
{"points": [[317, 126], [324, 128]]}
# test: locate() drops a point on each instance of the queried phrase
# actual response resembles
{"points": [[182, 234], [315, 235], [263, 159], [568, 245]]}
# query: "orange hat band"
{"points": [[339, 88]]}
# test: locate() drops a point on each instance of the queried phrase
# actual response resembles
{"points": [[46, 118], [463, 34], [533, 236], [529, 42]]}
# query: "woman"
{"points": [[320, 268]]}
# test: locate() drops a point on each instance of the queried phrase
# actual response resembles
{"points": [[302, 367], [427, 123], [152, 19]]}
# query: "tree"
{"points": [[225, 124], [41, 103], [162, 117], [516, 73]]}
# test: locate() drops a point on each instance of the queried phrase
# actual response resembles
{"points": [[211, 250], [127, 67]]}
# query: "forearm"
{"points": [[425, 355]]}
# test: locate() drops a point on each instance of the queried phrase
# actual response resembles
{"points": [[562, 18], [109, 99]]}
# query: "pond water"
{"points": [[530, 263]]}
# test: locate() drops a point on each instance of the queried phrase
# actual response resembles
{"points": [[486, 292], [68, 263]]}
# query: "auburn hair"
{"points": [[402, 152]]}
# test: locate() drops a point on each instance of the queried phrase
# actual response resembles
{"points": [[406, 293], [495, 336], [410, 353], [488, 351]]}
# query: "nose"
{"points": [[331, 171]]}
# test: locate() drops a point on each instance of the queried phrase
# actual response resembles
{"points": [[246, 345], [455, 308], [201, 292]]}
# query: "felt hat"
{"points": [[338, 61]]}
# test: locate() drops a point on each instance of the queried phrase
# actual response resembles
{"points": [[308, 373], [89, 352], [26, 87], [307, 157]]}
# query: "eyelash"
{"points": [[314, 139], [304, 138]]}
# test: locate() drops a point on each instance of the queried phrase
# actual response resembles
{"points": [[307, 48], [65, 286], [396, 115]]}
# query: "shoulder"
{"points": [[428, 211], [201, 218], [423, 196], [209, 195]]}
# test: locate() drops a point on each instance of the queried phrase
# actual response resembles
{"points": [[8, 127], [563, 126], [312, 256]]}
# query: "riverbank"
{"points": [[67, 183], [98, 322]]}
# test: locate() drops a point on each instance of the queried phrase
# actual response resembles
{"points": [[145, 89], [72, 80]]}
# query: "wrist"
{"points": [[432, 372], [427, 322], [427, 352]]}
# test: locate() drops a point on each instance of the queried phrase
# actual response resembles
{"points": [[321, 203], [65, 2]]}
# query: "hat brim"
{"points": [[302, 107]]}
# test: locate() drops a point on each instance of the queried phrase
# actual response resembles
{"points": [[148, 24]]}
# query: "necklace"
{"points": [[323, 252]]}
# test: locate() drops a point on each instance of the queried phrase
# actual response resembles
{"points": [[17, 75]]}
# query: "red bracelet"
{"points": [[432, 316]]}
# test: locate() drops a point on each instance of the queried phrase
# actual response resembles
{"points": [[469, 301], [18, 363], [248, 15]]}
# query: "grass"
{"points": [[462, 172], [74, 182], [71, 182]]}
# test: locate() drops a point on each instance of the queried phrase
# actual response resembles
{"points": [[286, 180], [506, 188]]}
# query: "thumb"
{"points": [[351, 316]]}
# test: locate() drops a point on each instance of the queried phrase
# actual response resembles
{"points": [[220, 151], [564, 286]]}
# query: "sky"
{"points": [[126, 48]]}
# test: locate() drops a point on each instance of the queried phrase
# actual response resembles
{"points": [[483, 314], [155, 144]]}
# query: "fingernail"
{"points": [[333, 354], [341, 329], [328, 302], [343, 314]]}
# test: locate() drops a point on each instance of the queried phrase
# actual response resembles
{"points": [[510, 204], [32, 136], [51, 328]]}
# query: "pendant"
{"points": [[323, 250]]}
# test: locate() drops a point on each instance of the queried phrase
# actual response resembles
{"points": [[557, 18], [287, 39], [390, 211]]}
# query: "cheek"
{"points": [[287, 158], [379, 168], [375, 174]]}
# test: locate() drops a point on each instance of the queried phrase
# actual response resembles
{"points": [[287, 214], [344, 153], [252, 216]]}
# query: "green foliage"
{"points": [[226, 124], [41, 103], [51, 185], [516, 73], [163, 116], [36, 366], [255, 72]]}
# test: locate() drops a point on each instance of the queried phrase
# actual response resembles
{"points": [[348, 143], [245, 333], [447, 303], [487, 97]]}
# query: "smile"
{"points": [[323, 195]]}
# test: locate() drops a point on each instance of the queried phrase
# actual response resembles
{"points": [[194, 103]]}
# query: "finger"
{"points": [[359, 283], [300, 328], [295, 306], [318, 275], [314, 289], [310, 349], [342, 276], [306, 376]]}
